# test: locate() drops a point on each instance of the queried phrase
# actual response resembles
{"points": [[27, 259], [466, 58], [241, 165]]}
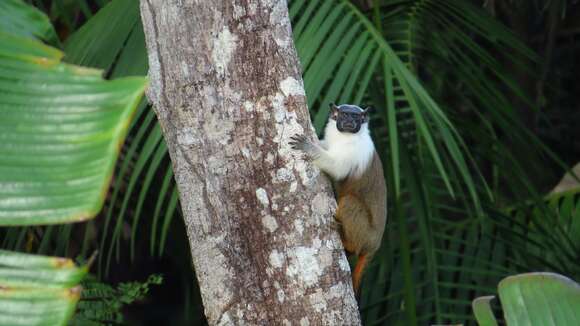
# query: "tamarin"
{"points": [[347, 154]]}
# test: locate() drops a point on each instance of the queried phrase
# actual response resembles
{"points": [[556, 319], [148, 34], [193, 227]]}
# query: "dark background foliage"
{"points": [[476, 120]]}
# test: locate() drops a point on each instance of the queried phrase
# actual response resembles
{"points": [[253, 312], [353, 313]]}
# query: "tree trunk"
{"points": [[226, 86]]}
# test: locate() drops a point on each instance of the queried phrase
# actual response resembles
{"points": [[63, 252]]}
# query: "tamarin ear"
{"points": [[333, 109], [366, 113]]}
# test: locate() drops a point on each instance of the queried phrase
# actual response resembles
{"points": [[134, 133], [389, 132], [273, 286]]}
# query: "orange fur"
{"points": [[357, 274]]}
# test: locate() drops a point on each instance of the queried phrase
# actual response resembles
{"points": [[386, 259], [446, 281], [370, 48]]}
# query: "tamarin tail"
{"points": [[358, 271]]}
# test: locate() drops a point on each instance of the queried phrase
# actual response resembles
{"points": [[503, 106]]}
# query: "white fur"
{"points": [[343, 153]]}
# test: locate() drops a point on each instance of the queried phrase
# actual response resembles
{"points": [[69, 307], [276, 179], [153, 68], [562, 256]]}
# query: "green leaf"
{"points": [[37, 290], [18, 18], [103, 304], [540, 299], [483, 312], [61, 128], [533, 299], [99, 41]]}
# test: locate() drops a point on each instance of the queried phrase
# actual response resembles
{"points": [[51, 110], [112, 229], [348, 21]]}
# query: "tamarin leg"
{"points": [[355, 224], [348, 246], [356, 227]]}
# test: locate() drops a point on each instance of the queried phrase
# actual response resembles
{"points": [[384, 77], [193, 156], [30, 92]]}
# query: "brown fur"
{"points": [[362, 213]]}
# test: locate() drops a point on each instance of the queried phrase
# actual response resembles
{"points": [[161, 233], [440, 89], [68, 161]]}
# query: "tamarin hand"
{"points": [[305, 145]]}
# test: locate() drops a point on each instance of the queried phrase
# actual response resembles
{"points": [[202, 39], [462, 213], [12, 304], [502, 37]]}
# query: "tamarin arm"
{"points": [[315, 152], [324, 162]]}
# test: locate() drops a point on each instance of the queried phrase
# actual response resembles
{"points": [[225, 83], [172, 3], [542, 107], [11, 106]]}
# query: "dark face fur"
{"points": [[349, 118]]}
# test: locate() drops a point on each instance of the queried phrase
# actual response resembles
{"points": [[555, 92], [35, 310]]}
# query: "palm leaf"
{"points": [[101, 39], [461, 259], [447, 250], [419, 133], [18, 18], [332, 69]]}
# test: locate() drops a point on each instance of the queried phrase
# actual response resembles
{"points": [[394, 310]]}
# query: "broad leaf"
{"points": [[535, 299], [540, 299], [37, 290], [483, 311], [61, 128]]}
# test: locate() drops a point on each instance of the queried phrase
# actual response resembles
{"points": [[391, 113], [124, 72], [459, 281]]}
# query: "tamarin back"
{"points": [[362, 213], [347, 154]]}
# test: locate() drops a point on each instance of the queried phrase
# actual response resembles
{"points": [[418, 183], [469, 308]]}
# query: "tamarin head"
{"points": [[349, 118], [347, 148]]}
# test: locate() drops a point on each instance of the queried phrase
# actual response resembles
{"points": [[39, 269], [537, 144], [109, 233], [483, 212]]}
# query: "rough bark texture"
{"points": [[226, 85]]}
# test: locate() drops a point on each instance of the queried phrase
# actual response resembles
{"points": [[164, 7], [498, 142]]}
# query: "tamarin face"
{"points": [[349, 118]]}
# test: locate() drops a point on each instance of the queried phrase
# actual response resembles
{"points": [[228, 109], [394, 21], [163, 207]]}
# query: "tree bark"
{"points": [[226, 86]]}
